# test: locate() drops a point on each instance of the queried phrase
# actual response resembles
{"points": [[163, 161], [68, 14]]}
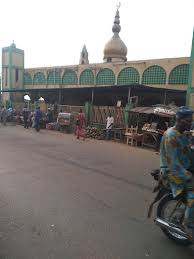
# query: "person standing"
{"points": [[79, 124], [49, 116], [109, 124], [26, 114], [38, 117], [3, 115]]}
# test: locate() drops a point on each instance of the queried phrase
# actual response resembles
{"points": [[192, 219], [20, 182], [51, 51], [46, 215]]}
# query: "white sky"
{"points": [[52, 32]]}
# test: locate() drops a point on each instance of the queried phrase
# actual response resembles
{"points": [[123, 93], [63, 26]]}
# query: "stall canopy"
{"points": [[159, 110]]}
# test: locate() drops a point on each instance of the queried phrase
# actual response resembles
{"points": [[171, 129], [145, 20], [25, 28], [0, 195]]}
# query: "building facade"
{"points": [[89, 82]]}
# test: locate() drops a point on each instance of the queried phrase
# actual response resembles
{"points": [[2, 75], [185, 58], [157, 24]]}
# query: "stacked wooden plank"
{"points": [[100, 114]]}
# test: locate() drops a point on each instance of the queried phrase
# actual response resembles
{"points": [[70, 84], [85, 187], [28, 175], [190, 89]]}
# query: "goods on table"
{"points": [[146, 126], [150, 127]]}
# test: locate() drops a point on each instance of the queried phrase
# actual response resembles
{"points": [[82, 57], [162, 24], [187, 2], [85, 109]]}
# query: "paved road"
{"points": [[67, 199]]}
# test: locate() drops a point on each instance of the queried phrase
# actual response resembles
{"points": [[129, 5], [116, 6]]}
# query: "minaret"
{"points": [[12, 71], [84, 56], [115, 50]]}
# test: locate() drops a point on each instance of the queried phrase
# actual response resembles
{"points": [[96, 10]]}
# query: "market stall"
{"points": [[152, 122]]}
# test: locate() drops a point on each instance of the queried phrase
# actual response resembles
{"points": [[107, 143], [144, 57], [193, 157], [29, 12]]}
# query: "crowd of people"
{"points": [[6, 115], [35, 118], [25, 117]]}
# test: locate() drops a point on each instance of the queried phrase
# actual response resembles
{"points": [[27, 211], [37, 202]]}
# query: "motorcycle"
{"points": [[170, 212]]}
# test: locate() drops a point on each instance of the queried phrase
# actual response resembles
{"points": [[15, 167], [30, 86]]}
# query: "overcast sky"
{"points": [[52, 32]]}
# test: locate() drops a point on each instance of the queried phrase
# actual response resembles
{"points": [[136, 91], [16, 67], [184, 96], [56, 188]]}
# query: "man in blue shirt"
{"points": [[38, 117], [175, 161]]}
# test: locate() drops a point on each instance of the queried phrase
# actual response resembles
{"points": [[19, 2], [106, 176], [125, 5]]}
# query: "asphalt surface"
{"points": [[66, 198]]}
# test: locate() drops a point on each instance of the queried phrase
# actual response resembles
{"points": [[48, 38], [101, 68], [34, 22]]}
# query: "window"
{"points": [[154, 75], [127, 76], [87, 77], [53, 78], [27, 79], [69, 78], [39, 78], [179, 75], [105, 77]]}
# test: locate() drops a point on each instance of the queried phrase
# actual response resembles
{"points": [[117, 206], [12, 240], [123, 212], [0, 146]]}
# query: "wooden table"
{"points": [[150, 139], [118, 133]]}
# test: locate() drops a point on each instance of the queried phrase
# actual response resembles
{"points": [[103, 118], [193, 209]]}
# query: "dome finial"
{"points": [[116, 26], [115, 50], [118, 6], [13, 44]]}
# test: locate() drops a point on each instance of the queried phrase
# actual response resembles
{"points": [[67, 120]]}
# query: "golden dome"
{"points": [[115, 49]]}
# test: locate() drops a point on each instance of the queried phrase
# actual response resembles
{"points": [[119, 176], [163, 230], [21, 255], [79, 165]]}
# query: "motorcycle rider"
{"points": [[175, 161]]}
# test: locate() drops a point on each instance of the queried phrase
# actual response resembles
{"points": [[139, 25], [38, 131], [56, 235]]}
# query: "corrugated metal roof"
{"points": [[147, 110], [165, 111]]}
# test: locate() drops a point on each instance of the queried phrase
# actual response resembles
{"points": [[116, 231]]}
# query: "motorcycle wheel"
{"points": [[164, 211]]}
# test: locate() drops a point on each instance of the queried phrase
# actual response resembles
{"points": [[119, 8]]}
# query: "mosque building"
{"points": [[150, 81]]}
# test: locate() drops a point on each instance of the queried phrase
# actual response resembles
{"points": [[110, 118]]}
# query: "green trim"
{"points": [[23, 73], [10, 69], [13, 66], [190, 89], [18, 51], [5, 49], [88, 109], [2, 81], [15, 90], [15, 50]]}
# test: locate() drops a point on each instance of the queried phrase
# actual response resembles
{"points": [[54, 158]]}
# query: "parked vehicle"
{"points": [[65, 122]]}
